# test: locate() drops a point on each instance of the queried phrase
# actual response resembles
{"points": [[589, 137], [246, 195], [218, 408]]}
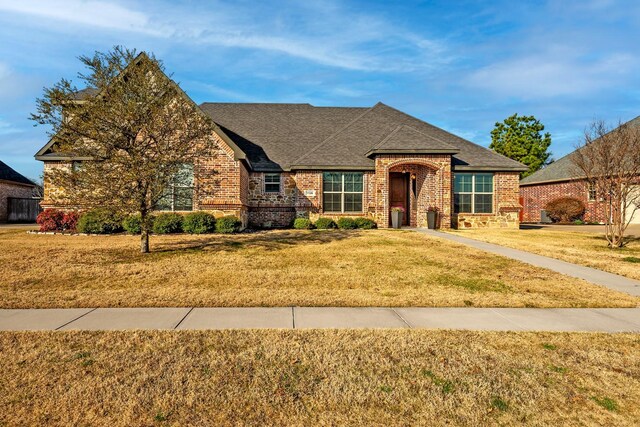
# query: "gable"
{"points": [[563, 169], [48, 151]]}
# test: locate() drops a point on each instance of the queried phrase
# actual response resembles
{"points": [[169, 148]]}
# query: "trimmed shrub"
{"points": [[199, 223], [168, 222], [228, 224], [50, 220], [345, 223], [99, 221], [365, 223], [325, 224], [132, 224], [565, 209], [303, 224], [70, 220]]}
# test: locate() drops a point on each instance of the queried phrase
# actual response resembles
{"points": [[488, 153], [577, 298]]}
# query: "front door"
{"points": [[399, 193]]}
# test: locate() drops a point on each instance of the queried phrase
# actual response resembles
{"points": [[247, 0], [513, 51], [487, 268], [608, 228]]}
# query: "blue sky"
{"points": [[460, 65]]}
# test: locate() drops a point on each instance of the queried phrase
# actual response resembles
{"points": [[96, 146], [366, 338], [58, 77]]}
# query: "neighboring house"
{"points": [[12, 185], [276, 162], [561, 179]]}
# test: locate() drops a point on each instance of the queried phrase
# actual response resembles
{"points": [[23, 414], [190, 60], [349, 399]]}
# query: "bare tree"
{"points": [[129, 141], [609, 159]]}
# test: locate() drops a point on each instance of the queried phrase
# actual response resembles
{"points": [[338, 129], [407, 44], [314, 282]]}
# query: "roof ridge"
{"points": [[317, 147], [454, 135], [426, 123], [386, 138], [258, 103]]}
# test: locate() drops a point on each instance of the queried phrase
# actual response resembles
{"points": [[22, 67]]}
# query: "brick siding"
{"points": [[535, 197], [224, 186], [12, 189]]}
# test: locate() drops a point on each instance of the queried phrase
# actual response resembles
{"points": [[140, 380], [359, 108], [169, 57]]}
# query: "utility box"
{"points": [[544, 218]]}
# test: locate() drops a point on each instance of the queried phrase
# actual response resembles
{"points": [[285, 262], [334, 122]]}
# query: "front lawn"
{"points": [[321, 377], [277, 268], [580, 248]]}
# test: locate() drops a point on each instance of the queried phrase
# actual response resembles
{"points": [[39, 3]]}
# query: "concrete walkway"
{"points": [[598, 277], [487, 319]]}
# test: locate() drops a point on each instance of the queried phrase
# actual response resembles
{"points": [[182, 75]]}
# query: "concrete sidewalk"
{"points": [[598, 277], [487, 319]]}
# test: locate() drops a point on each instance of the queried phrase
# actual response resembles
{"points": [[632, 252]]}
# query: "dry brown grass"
{"points": [[580, 248], [278, 268], [326, 377]]}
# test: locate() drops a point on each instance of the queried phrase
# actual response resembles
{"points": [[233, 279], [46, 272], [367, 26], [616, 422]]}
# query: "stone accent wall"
{"points": [[535, 197], [12, 189], [433, 187], [271, 210], [52, 190], [506, 206]]}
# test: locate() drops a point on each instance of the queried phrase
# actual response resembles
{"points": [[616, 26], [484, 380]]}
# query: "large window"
{"points": [[178, 195], [342, 191], [473, 193], [271, 182]]}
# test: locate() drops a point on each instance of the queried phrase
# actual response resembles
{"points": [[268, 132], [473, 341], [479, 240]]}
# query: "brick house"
{"points": [[561, 179], [276, 162], [12, 185]]}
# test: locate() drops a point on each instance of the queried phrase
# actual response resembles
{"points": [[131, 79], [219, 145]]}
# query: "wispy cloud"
{"points": [[95, 13], [543, 76], [6, 128], [324, 34]]}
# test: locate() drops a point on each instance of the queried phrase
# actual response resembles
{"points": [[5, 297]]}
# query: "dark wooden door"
{"points": [[399, 193]]}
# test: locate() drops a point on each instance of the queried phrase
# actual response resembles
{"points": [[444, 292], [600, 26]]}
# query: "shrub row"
{"points": [[342, 223], [104, 221]]}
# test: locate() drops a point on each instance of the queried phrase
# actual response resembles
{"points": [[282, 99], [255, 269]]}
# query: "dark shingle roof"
{"points": [[563, 169], [274, 135], [8, 174], [405, 138], [285, 136], [85, 93]]}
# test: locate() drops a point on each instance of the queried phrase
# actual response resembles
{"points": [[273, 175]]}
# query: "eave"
{"points": [[375, 151]]}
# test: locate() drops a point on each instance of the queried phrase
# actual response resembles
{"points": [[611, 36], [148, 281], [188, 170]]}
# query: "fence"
{"points": [[22, 210]]}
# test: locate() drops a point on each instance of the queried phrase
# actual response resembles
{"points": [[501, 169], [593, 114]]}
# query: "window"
{"points": [[591, 191], [76, 166], [473, 193], [178, 195], [342, 191], [271, 182]]}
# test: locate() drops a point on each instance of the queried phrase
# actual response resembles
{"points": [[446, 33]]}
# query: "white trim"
{"points": [[342, 194], [473, 192], [264, 183]]}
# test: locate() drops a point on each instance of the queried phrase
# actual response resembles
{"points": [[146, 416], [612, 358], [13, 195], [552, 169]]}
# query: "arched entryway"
{"points": [[415, 185]]}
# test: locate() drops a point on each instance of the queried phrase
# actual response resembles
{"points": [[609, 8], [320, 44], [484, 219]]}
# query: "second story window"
{"points": [[271, 182]]}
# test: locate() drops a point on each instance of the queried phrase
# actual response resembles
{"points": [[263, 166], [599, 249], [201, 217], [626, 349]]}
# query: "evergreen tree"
{"points": [[520, 138]]}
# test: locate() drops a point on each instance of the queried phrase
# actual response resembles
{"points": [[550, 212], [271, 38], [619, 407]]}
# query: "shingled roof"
{"points": [[563, 169], [8, 174], [300, 136]]}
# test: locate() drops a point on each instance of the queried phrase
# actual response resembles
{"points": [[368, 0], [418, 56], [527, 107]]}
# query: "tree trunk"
{"points": [[144, 242]]}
